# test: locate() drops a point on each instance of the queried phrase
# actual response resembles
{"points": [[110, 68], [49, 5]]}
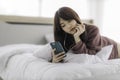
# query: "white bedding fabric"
{"points": [[20, 63]]}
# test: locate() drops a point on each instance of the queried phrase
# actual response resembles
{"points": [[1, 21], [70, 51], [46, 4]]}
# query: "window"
{"points": [[44, 8], [19, 7], [49, 7], [111, 20]]}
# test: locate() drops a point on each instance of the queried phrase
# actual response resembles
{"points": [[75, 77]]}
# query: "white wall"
{"points": [[96, 11], [23, 33], [111, 19]]}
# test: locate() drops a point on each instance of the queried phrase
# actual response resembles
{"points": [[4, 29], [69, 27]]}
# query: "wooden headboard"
{"points": [[31, 30], [32, 20]]}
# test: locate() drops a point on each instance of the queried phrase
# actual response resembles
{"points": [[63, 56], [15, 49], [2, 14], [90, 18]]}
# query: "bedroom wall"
{"points": [[23, 33]]}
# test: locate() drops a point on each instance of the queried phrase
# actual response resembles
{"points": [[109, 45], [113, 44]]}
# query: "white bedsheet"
{"points": [[25, 66]]}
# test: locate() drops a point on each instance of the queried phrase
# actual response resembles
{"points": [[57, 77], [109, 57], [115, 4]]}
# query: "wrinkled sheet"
{"points": [[115, 76], [22, 65]]}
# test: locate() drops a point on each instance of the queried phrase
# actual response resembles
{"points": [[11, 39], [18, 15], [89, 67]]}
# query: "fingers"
{"points": [[53, 52], [77, 29], [57, 57], [78, 32], [80, 28], [62, 53], [84, 27]]}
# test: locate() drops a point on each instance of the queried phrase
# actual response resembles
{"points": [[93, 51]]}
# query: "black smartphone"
{"points": [[57, 45]]}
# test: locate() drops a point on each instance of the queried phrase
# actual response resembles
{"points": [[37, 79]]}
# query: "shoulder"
{"points": [[90, 28]]}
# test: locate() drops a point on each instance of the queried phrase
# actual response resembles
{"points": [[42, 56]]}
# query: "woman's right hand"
{"points": [[80, 28], [57, 57]]}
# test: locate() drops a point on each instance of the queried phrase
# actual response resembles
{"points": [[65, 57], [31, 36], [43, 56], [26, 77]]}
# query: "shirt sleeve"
{"points": [[93, 43]]}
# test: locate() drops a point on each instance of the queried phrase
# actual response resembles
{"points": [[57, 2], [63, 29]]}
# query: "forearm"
{"points": [[77, 39], [81, 47]]}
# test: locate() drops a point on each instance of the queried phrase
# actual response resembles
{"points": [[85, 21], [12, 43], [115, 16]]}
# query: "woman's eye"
{"points": [[63, 26]]}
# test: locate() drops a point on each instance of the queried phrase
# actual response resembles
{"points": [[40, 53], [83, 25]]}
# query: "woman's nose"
{"points": [[69, 26]]}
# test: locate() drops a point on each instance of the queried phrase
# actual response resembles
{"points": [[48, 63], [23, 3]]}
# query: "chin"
{"points": [[71, 33]]}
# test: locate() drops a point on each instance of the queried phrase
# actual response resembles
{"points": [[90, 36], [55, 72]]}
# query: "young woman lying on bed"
{"points": [[79, 37]]}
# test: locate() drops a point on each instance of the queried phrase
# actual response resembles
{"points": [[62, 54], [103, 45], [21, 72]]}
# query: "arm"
{"points": [[80, 28], [77, 39], [93, 43]]}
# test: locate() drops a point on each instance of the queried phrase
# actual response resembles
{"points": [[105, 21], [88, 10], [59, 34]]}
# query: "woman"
{"points": [[77, 36]]}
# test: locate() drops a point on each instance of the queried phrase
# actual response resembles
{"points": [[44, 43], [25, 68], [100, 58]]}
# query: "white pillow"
{"points": [[44, 52], [101, 56], [49, 37], [104, 54]]}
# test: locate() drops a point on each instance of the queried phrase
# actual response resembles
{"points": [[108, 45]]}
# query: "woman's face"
{"points": [[69, 26]]}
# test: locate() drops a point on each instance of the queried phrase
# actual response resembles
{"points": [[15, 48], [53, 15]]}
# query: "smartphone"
{"points": [[57, 45]]}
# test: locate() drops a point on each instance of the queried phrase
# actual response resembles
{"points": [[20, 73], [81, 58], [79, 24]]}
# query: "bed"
{"points": [[27, 57], [31, 62]]}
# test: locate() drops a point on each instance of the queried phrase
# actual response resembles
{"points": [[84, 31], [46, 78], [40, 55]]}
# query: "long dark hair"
{"points": [[65, 39]]}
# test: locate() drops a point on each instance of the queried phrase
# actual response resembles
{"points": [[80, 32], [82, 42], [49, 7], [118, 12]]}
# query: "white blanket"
{"points": [[6, 52], [22, 65]]}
